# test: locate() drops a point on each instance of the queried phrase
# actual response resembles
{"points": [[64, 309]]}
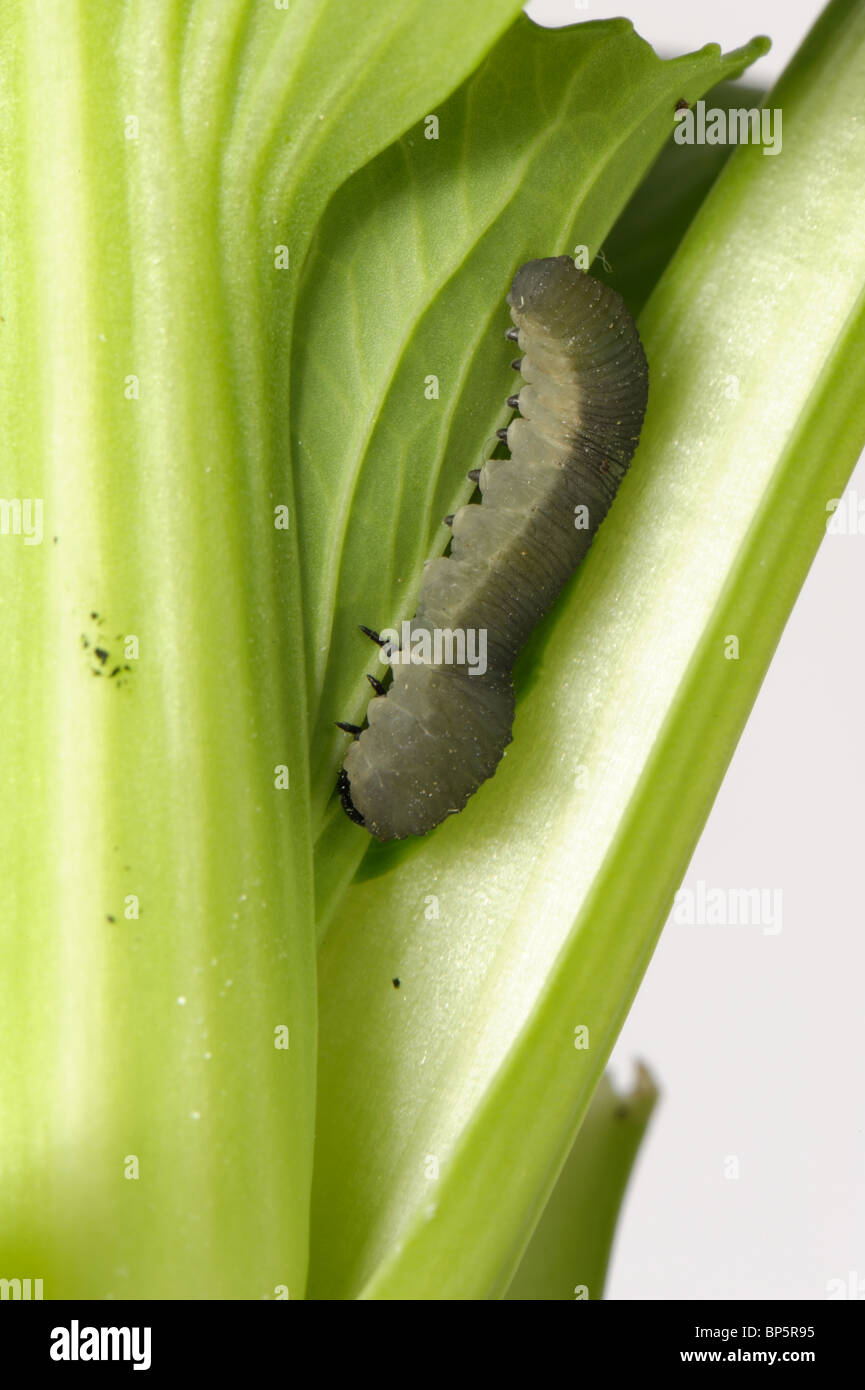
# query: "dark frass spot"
{"points": [[683, 105], [395, 983], [109, 918], [104, 659]]}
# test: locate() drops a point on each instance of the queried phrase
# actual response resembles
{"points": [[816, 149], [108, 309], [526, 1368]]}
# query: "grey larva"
{"points": [[441, 727]]}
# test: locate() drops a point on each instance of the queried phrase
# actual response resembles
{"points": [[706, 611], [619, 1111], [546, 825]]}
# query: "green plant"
{"points": [[228, 267]]}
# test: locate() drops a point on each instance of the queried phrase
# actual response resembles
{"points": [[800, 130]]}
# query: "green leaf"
{"points": [[537, 152], [568, 1254], [157, 930], [656, 218], [468, 1070]]}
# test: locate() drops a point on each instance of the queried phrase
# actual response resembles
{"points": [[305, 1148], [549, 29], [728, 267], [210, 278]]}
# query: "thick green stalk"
{"points": [[156, 1141], [157, 988]]}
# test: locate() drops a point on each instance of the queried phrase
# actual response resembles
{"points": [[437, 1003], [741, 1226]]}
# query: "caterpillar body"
{"points": [[441, 727]]}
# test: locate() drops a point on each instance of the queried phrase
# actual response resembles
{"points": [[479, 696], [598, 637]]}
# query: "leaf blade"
{"points": [[428, 1071]]}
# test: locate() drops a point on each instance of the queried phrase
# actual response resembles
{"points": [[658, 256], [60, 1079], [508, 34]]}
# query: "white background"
{"points": [[756, 1040]]}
